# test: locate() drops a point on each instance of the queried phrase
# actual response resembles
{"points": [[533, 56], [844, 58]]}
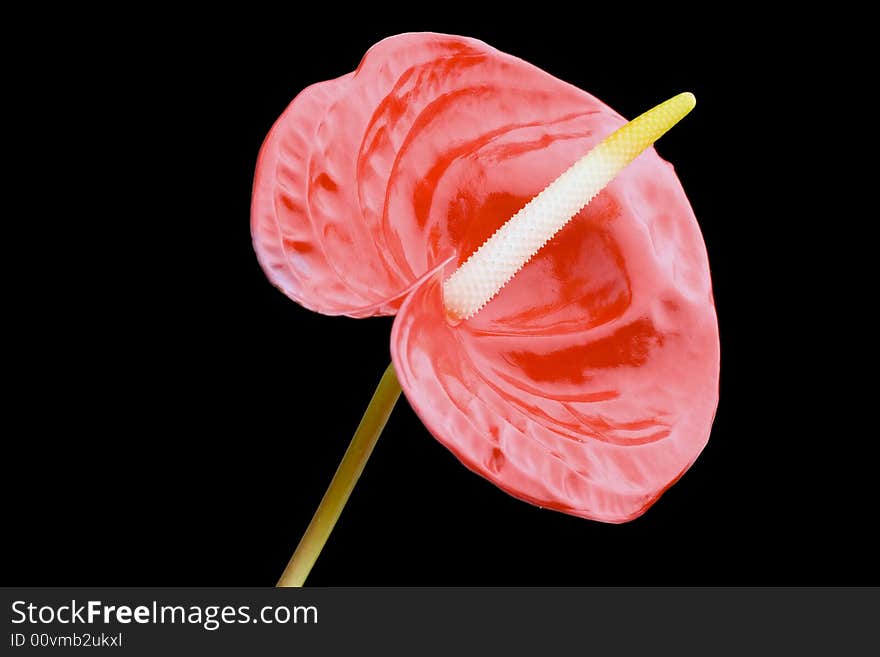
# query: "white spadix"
{"points": [[491, 266]]}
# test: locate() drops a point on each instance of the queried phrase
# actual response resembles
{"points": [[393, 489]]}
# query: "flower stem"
{"points": [[346, 477]]}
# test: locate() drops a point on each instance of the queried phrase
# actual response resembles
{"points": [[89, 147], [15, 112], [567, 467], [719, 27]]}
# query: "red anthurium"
{"points": [[590, 382]]}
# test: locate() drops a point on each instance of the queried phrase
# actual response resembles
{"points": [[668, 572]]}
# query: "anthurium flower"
{"points": [[589, 382]]}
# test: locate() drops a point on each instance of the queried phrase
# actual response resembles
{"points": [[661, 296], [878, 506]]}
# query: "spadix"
{"points": [[501, 256]]}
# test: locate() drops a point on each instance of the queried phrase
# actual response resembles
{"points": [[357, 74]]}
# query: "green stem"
{"points": [[346, 477]]}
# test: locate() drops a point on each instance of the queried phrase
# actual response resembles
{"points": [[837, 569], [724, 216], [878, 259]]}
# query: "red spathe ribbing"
{"points": [[589, 384]]}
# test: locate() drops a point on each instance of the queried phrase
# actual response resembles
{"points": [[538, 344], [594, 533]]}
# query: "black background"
{"points": [[172, 419]]}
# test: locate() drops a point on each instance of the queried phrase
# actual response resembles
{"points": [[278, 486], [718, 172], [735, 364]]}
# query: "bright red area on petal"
{"points": [[590, 382]]}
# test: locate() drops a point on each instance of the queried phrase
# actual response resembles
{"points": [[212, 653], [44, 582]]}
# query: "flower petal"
{"points": [[356, 188], [589, 384]]}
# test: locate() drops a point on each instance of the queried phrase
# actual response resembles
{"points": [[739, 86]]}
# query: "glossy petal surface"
{"points": [[589, 384], [356, 189]]}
